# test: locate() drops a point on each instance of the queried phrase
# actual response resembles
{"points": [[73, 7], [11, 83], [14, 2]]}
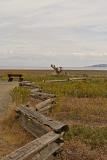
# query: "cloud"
{"points": [[71, 32]]}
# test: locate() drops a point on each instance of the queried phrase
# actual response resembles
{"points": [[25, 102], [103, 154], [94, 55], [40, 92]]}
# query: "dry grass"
{"points": [[20, 95], [87, 119], [12, 135], [86, 110], [76, 150]]}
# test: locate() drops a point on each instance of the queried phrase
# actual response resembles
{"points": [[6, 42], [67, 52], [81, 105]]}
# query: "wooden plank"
{"points": [[34, 127], [33, 147], [44, 104], [35, 90], [54, 125], [28, 84], [77, 79], [42, 96], [47, 152], [47, 108], [56, 80]]}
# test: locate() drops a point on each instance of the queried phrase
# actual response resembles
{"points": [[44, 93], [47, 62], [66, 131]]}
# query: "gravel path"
{"points": [[5, 99]]}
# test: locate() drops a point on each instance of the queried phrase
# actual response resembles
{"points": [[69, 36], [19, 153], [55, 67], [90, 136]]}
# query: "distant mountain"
{"points": [[99, 65]]}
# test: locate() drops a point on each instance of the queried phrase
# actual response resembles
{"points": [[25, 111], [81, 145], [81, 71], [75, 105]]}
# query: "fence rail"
{"points": [[48, 132], [40, 148]]}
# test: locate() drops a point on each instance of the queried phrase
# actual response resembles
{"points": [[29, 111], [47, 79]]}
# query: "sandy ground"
{"points": [[5, 99]]}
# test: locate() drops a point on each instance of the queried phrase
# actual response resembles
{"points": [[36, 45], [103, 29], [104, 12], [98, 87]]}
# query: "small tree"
{"points": [[58, 70]]}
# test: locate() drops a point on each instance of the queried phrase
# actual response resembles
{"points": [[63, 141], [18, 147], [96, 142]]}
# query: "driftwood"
{"points": [[42, 96], [58, 70], [56, 126], [39, 149]]}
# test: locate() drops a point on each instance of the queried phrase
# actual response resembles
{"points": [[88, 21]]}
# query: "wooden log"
{"points": [[77, 79], [42, 96], [35, 90], [56, 80], [44, 104], [56, 126], [47, 152], [28, 84], [32, 126], [40, 145], [47, 108]]}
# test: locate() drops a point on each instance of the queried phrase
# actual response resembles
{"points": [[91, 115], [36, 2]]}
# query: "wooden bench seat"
{"points": [[11, 77]]}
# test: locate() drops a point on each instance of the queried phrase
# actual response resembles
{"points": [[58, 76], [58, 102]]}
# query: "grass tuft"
{"points": [[20, 95]]}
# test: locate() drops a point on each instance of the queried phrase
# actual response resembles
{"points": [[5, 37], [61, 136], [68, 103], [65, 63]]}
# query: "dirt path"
{"points": [[5, 98]]}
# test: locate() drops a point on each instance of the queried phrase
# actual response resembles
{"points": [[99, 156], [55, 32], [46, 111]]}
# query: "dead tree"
{"points": [[58, 70]]}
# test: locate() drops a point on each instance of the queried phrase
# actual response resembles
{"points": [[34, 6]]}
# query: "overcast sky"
{"points": [[36, 33]]}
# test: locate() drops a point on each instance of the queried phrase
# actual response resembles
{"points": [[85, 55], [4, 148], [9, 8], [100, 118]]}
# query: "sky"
{"points": [[37, 33]]}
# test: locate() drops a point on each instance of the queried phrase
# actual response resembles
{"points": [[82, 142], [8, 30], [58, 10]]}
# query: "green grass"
{"points": [[77, 89], [42, 77], [95, 137], [90, 88], [87, 110], [20, 95]]}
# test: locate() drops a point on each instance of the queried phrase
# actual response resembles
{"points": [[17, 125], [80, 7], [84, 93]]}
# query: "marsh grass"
{"points": [[74, 149], [20, 95], [92, 87], [95, 137], [85, 110], [77, 89], [43, 77]]}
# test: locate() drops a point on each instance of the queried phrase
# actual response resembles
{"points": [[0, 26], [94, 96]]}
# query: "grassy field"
{"points": [[80, 104]]}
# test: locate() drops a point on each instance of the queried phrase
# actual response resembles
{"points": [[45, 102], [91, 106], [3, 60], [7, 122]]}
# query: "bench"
{"points": [[14, 76]]}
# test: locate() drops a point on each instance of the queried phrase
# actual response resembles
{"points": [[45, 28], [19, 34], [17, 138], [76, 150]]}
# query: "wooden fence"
{"points": [[48, 133]]}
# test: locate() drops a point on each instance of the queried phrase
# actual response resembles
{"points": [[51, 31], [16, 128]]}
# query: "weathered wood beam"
{"points": [[35, 90], [57, 80], [32, 126], [56, 126], [28, 84], [47, 152], [77, 79], [37, 148], [47, 108], [44, 104], [42, 96]]}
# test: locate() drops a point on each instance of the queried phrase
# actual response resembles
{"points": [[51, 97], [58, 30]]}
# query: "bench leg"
{"points": [[10, 79]]}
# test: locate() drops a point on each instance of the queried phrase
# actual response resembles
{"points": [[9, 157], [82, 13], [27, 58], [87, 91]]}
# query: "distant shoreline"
{"points": [[47, 68]]}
